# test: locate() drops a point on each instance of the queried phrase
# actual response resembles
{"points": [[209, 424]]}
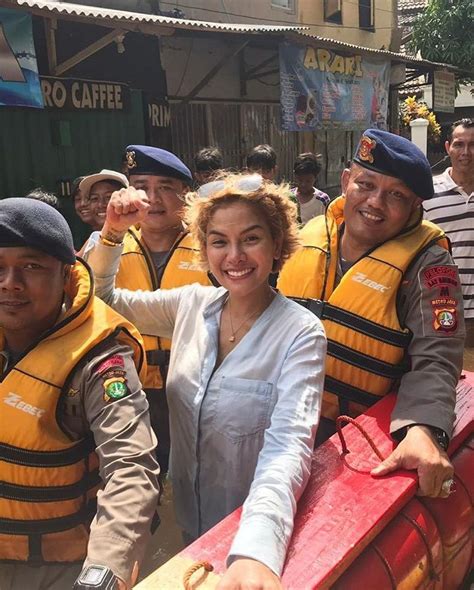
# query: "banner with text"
{"points": [[69, 94], [324, 89], [19, 80]]}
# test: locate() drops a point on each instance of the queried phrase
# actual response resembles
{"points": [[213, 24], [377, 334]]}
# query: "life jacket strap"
{"points": [[326, 311], [158, 358], [349, 392]]}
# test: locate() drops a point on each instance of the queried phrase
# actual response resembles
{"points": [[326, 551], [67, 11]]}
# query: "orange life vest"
{"points": [[49, 482], [366, 340], [137, 271]]}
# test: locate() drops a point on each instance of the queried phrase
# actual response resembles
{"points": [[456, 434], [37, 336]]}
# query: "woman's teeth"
{"points": [[239, 273]]}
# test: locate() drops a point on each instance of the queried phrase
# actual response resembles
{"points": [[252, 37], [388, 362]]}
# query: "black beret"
{"points": [[145, 159], [34, 224], [395, 156]]}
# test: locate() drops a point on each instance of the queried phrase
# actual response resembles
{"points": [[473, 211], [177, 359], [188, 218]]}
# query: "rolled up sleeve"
{"points": [[284, 462], [152, 312]]}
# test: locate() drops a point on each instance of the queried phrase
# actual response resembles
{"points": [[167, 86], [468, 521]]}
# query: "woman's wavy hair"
{"points": [[272, 201]]}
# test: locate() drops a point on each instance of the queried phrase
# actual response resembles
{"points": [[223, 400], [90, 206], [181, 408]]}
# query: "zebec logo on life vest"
{"points": [[16, 401], [361, 278]]}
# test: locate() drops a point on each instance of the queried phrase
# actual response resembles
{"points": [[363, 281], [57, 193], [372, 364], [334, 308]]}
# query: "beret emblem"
{"points": [[366, 146], [130, 157]]}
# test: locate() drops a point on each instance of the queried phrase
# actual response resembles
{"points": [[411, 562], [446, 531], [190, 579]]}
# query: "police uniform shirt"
{"points": [[424, 390], [125, 447]]}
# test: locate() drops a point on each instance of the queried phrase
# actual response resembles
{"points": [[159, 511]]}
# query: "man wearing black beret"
{"points": [[391, 304], [158, 254], [74, 418]]}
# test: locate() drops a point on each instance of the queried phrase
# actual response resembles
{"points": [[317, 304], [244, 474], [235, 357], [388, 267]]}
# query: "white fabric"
{"points": [[240, 433]]}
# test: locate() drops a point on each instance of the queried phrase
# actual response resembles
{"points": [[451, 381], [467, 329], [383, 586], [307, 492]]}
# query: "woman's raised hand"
{"points": [[126, 207]]}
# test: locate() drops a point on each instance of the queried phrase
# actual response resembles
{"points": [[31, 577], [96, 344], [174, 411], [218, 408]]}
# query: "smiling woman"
{"points": [[246, 368], [96, 190]]}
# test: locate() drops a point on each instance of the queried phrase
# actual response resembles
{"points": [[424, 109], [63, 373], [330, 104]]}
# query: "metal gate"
{"points": [[235, 129]]}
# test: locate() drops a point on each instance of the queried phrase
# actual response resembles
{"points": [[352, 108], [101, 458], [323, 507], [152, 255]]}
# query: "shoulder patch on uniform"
{"points": [[445, 319], [111, 363], [115, 388], [437, 277]]}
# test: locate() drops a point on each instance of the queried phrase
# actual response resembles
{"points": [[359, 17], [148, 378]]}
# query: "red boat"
{"points": [[356, 532]]}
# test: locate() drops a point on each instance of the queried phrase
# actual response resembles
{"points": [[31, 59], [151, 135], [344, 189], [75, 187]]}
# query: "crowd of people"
{"points": [[208, 334]]}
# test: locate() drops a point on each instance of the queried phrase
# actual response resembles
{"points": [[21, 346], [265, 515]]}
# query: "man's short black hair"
{"points": [[467, 123], [209, 159], [41, 195], [307, 163], [262, 157]]}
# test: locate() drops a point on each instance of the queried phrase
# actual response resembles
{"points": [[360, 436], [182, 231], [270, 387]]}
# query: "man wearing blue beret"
{"points": [[391, 303], [74, 418], [157, 255]]}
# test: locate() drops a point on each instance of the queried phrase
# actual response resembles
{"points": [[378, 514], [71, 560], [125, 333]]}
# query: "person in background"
{"points": [[81, 206], [311, 201], [74, 417], [80, 231], [96, 190], [40, 195], [207, 163], [158, 254], [262, 160], [388, 292], [246, 368], [453, 210]]}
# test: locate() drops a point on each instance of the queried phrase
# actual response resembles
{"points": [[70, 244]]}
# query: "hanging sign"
{"points": [[19, 80], [444, 91], [84, 95], [324, 89]]}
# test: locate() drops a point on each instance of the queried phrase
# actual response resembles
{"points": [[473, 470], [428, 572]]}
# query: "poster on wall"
{"points": [[324, 89], [19, 80]]}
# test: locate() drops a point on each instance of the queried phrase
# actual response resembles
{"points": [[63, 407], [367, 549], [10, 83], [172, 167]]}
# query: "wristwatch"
{"points": [[96, 577], [441, 438]]}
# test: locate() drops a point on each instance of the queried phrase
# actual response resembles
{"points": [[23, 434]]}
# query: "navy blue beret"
{"points": [[37, 225], [395, 156], [145, 159]]}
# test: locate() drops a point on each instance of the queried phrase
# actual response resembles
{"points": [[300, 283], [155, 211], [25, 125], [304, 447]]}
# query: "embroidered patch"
{"points": [[445, 319], [440, 276], [111, 373], [130, 157], [113, 361], [115, 388], [366, 146]]}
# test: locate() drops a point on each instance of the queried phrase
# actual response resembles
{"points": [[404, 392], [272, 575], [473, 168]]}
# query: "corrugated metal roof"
{"points": [[94, 12], [412, 4], [368, 50]]}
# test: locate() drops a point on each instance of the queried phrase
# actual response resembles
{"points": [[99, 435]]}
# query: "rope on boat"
{"points": [[349, 420], [208, 567]]}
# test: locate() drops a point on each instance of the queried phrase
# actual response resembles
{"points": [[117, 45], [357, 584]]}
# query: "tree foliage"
{"points": [[444, 32]]}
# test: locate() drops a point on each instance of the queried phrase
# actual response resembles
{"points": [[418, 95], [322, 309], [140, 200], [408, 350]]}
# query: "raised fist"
{"points": [[127, 207]]}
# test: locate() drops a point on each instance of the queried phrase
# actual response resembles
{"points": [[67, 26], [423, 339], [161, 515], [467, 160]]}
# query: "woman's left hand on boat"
{"points": [[418, 450], [249, 574]]}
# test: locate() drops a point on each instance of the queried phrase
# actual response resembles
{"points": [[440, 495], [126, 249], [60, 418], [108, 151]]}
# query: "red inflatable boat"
{"points": [[356, 532]]}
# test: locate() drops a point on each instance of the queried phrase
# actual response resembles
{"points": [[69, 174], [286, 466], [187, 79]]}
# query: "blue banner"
{"points": [[19, 80], [322, 89]]}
